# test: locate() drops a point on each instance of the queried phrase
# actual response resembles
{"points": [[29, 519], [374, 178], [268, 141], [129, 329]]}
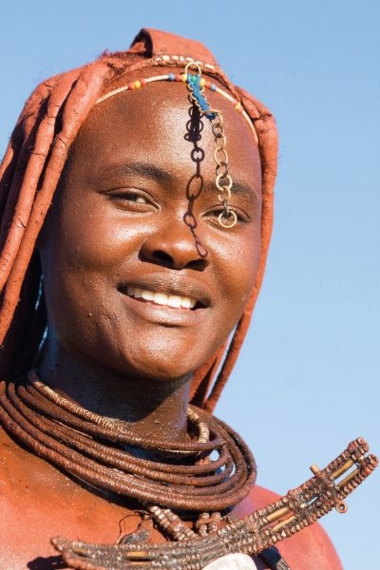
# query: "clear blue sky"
{"points": [[308, 380]]}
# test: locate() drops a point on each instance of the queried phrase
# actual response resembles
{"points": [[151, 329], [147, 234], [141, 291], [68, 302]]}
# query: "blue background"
{"points": [[308, 378]]}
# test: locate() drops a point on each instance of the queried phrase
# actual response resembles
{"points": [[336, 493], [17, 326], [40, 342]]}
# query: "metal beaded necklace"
{"points": [[92, 448]]}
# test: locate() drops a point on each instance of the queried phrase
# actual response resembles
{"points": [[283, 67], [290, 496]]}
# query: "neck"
{"points": [[153, 408]]}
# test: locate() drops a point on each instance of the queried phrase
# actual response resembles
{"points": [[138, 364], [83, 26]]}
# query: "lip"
{"points": [[171, 285], [161, 314]]}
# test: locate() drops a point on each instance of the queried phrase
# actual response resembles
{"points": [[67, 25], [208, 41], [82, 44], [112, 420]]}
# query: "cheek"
{"points": [[238, 271], [88, 237], [72, 263], [242, 274]]}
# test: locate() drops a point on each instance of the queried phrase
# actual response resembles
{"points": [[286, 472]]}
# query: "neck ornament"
{"points": [[107, 454], [97, 450]]}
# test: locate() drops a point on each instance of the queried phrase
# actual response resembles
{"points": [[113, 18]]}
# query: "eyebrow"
{"points": [[149, 170], [247, 191], [239, 188], [146, 170]]}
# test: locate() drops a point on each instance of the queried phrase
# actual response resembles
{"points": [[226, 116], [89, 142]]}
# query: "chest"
{"points": [[38, 502]]}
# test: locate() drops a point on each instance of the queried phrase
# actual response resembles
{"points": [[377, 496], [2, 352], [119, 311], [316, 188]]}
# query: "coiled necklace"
{"points": [[210, 473]]}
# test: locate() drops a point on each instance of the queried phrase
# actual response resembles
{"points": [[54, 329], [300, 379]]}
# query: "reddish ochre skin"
{"points": [[110, 228]]}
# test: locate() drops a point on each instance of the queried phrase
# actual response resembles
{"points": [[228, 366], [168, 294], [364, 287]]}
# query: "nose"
{"points": [[177, 246]]}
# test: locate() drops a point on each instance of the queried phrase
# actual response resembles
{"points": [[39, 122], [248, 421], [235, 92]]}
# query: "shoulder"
{"points": [[310, 548]]}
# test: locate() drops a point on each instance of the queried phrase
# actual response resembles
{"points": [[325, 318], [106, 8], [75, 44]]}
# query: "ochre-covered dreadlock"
{"points": [[30, 172]]}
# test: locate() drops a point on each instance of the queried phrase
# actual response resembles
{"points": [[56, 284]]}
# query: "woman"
{"points": [[135, 231]]}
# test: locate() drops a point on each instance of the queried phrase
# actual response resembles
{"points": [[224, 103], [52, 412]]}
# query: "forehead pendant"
{"points": [[196, 84], [232, 562]]}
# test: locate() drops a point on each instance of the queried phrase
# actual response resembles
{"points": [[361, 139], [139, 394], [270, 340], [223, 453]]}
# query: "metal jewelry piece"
{"points": [[87, 446], [265, 527], [227, 218], [213, 469], [196, 85]]}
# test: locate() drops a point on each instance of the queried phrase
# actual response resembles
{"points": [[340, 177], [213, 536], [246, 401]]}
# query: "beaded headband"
{"points": [[196, 85]]}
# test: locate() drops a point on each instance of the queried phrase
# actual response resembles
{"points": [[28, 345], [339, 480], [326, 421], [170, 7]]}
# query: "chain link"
{"points": [[223, 181]]}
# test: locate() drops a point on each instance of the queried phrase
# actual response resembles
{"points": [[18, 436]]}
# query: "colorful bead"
{"points": [[196, 81], [198, 96]]}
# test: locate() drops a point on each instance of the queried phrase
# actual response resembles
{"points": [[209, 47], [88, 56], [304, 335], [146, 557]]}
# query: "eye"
{"points": [[132, 199], [130, 196], [212, 214]]}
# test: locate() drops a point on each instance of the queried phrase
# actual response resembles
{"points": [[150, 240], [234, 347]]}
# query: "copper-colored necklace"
{"points": [[100, 451], [207, 476]]}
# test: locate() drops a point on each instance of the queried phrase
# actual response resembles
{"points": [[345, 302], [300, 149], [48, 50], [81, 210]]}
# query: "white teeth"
{"points": [[187, 303], [147, 295], [134, 292], [173, 301], [160, 298]]}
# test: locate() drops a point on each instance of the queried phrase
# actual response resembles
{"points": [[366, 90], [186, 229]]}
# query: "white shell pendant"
{"points": [[232, 562]]}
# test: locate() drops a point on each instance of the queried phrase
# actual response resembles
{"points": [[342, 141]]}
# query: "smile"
{"points": [[173, 301]]}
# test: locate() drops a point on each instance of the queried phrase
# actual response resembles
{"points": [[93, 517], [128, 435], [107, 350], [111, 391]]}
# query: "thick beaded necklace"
{"points": [[96, 449], [102, 451]]}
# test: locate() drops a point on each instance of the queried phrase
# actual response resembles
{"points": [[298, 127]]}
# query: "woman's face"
{"points": [[128, 283]]}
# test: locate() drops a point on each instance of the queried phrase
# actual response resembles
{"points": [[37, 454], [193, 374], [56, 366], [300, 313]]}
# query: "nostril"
{"points": [[163, 257], [198, 264], [174, 252]]}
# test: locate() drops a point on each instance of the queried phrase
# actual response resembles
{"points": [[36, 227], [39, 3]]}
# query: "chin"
{"points": [[160, 363], [169, 368]]}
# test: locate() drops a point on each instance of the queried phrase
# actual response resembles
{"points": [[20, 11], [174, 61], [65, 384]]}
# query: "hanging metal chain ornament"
{"points": [[265, 527], [195, 82], [87, 446]]}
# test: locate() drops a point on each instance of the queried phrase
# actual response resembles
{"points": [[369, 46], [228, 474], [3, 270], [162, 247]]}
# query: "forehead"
{"points": [[154, 123]]}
